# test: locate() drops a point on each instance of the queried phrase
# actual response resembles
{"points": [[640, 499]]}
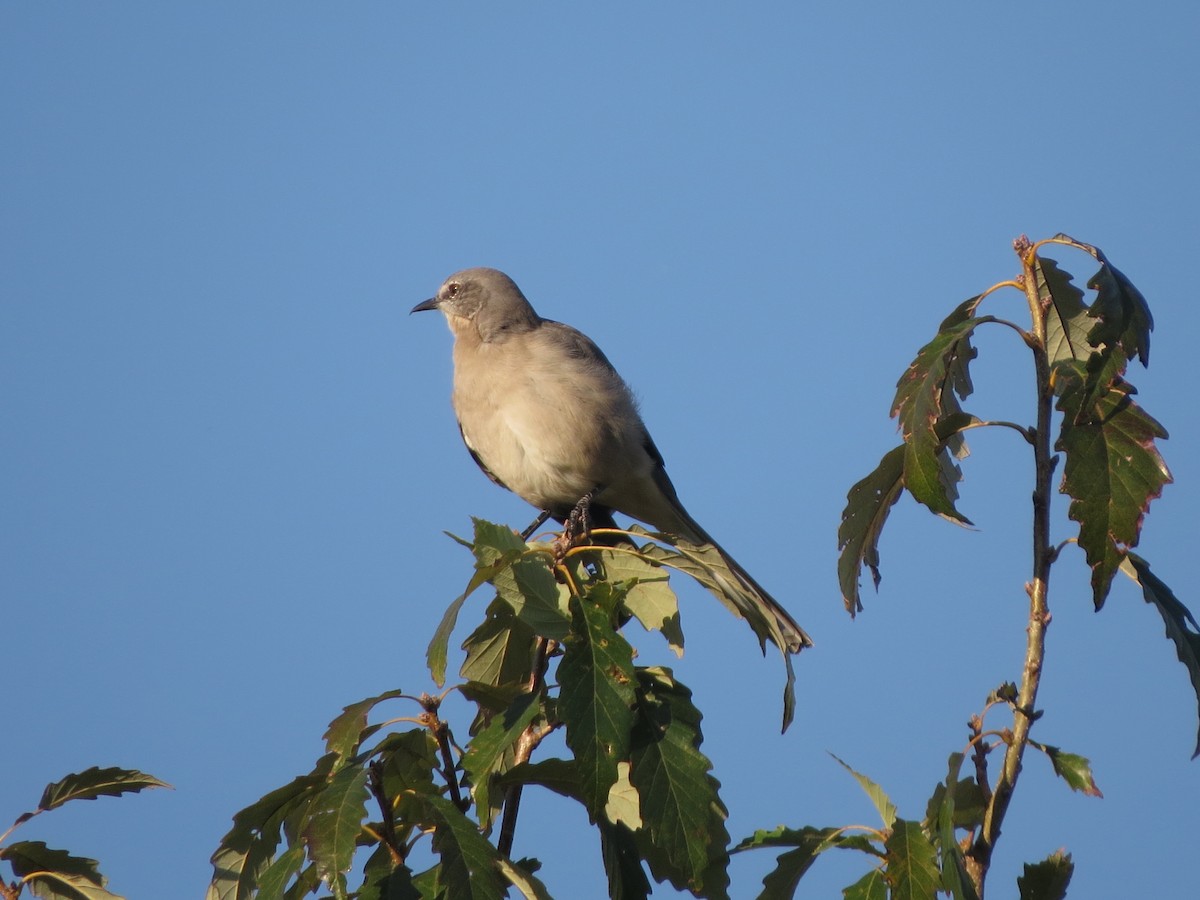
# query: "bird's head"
{"points": [[484, 302]]}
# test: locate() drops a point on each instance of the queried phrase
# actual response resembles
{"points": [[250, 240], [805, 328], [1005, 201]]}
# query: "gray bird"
{"points": [[545, 415]]}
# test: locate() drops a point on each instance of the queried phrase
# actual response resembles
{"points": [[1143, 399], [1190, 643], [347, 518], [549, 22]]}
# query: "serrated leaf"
{"points": [[488, 749], [468, 867], [648, 596], [1113, 469], [1047, 880], [500, 650], [683, 837], [806, 845], [942, 817], [334, 821], [407, 760], [912, 869], [596, 680], [1075, 770], [925, 395], [246, 850], [1181, 625], [275, 877], [384, 879], [867, 506], [1067, 321], [872, 886], [96, 782], [883, 804], [55, 874], [346, 731]]}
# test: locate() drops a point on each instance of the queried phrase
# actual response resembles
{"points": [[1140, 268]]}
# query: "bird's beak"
{"points": [[431, 303]]}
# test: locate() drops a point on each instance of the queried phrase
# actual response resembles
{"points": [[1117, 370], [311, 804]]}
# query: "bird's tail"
{"points": [[732, 585]]}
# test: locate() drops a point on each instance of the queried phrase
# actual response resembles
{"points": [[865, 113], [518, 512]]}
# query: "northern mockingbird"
{"points": [[545, 415]]}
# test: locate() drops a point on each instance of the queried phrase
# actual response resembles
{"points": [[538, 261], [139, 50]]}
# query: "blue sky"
{"points": [[229, 456]]}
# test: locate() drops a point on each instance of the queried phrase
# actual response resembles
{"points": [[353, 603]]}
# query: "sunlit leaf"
{"points": [[1067, 321], [1113, 469], [941, 820], [345, 732], [524, 881], [247, 848], [1075, 770], [872, 886], [912, 869], [883, 804], [867, 506], [1181, 625], [335, 820], [96, 782], [276, 877], [596, 678], [683, 838], [500, 650], [649, 597], [1047, 880], [927, 393]]}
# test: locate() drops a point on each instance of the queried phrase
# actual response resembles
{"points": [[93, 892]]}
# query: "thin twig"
{"points": [[524, 748], [979, 857]]}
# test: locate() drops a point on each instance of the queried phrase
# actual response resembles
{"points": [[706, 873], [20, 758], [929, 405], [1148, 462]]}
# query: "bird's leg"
{"points": [[578, 524], [537, 523]]}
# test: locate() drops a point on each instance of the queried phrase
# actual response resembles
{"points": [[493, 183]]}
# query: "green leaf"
{"points": [[596, 678], [558, 775], [59, 886], [495, 548], [96, 782], [385, 880], [468, 861], [1072, 768], [872, 886], [486, 754], [806, 843], [942, 820], [334, 821], [275, 877], [912, 869], [1113, 469], [1181, 625], [683, 838], [524, 881], [407, 761], [500, 650], [624, 802], [349, 729], [622, 863], [246, 851], [648, 597], [867, 506], [883, 805], [925, 395], [55, 874], [1047, 880], [1067, 321]]}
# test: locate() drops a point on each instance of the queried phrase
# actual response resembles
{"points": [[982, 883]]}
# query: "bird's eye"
{"points": [[452, 289]]}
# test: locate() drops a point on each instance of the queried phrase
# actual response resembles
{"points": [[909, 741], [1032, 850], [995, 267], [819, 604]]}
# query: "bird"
{"points": [[546, 415]]}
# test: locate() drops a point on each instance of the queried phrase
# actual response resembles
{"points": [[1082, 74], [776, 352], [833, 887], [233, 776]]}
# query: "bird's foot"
{"points": [[577, 527]]}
